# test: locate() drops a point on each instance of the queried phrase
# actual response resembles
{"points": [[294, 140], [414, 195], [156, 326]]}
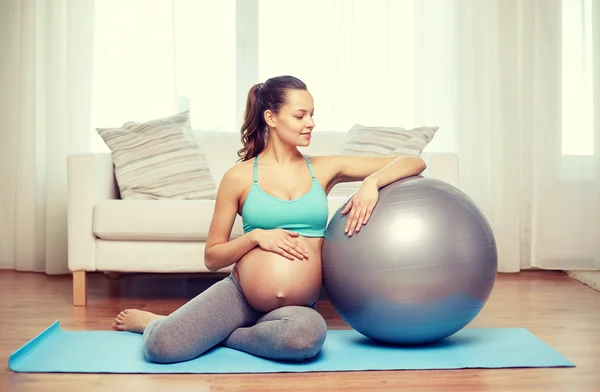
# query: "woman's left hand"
{"points": [[360, 207]]}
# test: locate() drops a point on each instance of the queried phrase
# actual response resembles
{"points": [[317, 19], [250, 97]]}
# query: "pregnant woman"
{"points": [[266, 306]]}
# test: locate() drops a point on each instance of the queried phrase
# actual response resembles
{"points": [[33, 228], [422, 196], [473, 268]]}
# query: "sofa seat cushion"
{"points": [[164, 220], [156, 220]]}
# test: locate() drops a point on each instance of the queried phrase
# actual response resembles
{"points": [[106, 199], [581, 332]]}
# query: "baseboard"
{"points": [[589, 278]]}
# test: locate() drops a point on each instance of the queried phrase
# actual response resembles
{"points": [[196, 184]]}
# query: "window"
{"points": [[352, 56], [577, 78], [304, 50], [153, 58], [205, 58]]}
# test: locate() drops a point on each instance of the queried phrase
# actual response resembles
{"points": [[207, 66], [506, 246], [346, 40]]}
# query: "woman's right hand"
{"points": [[282, 242]]}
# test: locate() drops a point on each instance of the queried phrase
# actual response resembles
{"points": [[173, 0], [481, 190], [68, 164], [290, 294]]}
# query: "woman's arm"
{"points": [[375, 173], [380, 171], [397, 169], [220, 252]]}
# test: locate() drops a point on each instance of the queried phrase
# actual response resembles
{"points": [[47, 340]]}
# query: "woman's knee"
{"points": [[156, 348], [162, 348], [305, 335]]}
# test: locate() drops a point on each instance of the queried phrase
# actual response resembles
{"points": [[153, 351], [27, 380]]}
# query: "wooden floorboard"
{"points": [[558, 309]]}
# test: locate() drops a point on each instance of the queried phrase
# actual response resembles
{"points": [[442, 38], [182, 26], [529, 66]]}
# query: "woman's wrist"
{"points": [[371, 181], [254, 235]]}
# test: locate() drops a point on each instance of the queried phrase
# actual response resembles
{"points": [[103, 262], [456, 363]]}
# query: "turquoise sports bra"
{"points": [[307, 215]]}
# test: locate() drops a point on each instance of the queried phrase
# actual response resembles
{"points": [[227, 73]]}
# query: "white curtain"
{"points": [[155, 57], [509, 83], [134, 71], [45, 104], [355, 56], [524, 124]]}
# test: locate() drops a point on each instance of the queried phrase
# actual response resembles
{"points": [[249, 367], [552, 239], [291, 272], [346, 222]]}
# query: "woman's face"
{"points": [[293, 124]]}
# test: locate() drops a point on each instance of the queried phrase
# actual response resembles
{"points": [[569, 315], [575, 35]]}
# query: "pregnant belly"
{"points": [[270, 281]]}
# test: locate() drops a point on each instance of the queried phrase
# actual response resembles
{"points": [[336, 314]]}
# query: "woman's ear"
{"points": [[270, 118]]}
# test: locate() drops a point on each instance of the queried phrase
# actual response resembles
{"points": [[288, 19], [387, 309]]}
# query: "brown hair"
{"points": [[270, 95]]}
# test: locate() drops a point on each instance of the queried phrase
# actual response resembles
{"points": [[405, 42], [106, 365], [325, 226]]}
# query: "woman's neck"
{"points": [[280, 153]]}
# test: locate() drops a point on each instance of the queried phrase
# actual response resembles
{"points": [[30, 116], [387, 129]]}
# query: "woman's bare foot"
{"points": [[134, 320]]}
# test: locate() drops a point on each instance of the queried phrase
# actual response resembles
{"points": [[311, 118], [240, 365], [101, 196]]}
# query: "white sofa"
{"points": [[106, 233]]}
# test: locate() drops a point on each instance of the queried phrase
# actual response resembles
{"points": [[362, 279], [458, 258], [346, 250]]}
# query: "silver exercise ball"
{"points": [[419, 271]]}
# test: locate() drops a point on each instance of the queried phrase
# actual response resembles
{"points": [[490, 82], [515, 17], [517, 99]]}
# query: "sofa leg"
{"points": [[79, 288]]}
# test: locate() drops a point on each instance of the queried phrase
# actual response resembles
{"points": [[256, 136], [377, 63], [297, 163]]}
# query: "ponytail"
{"points": [[254, 129], [270, 95]]}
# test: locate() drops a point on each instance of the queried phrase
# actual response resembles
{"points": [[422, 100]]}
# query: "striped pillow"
{"points": [[362, 140], [159, 159], [381, 141]]}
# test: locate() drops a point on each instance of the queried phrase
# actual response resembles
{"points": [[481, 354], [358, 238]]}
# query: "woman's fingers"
{"points": [[363, 218], [284, 251], [300, 251], [293, 250], [347, 208], [358, 217], [354, 218], [368, 213]]}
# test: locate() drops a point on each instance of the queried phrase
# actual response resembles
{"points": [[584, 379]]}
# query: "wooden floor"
{"points": [[559, 310]]}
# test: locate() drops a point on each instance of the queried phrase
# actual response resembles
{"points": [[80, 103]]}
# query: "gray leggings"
{"points": [[220, 315]]}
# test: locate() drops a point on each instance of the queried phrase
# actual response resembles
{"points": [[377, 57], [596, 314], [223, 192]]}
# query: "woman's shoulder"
{"points": [[325, 167], [322, 160], [235, 181], [239, 173]]}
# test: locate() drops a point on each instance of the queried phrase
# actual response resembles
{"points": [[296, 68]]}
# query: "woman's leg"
{"points": [[287, 333], [198, 325]]}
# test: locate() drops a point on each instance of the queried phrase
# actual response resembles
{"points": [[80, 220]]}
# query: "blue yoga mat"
{"points": [[57, 350]]}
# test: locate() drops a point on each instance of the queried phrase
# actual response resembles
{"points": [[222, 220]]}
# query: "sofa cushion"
{"points": [[364, 140], [156, 220], [164, 220], [220, 149], [153, 257], [159, 159], [381, 141]]}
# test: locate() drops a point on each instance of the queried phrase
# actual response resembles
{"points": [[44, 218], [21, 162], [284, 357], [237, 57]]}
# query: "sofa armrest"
{"points": [[442, 166], [90, 179]]}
